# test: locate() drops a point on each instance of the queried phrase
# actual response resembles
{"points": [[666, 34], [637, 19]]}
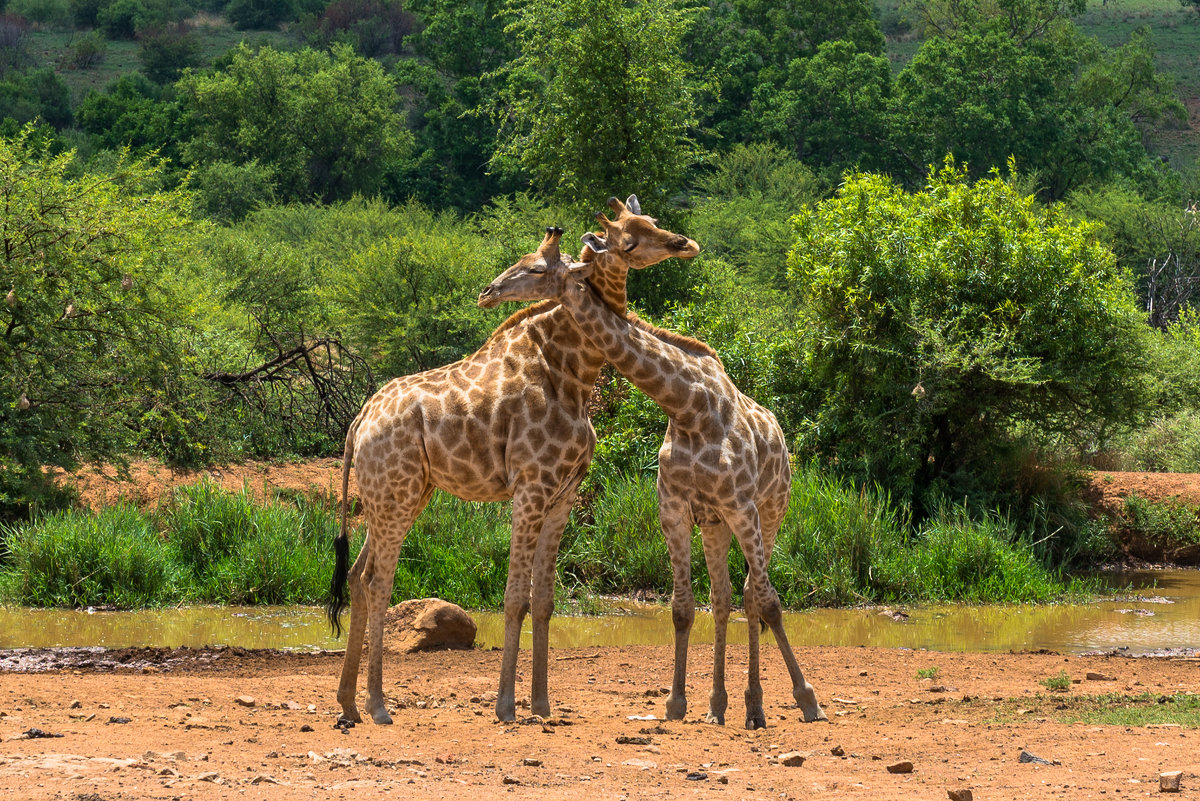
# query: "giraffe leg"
{"points": [[756, 717], [377, 588], [528, 512], [676, 521], [770, 610], [543, 598], [348, 683], [716, 556]]}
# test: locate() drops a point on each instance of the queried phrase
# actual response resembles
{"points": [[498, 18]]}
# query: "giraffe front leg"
{"points": [[543, 600], [526, 525], [676, 524], [716, 557], [756, 717], [348, 684]]}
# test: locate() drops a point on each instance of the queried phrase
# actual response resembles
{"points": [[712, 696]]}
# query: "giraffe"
{"points": [[509, 422], [723, 465]]}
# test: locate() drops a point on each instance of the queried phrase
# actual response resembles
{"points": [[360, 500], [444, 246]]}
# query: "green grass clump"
{"points": [[1059, 683], [929, 672], [68, 559], [1132, 710], [1166, 526]]}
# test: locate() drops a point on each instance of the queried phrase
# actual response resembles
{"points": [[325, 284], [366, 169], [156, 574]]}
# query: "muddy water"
{"points": [[1162, 612]]}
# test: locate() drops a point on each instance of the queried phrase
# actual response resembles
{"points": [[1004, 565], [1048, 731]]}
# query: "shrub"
{"points": [[260, 14], [86, 51], [122, 19], [166, 51], [228, 192], [939, 332], [48, 13]]}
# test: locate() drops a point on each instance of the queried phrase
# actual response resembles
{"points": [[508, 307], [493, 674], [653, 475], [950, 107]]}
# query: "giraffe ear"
{"points": [[632, 204], [580, 270], [594, 242]]}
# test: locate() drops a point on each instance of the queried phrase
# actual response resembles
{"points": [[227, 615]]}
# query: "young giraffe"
{"points": [[509, 422], [723, 465]]}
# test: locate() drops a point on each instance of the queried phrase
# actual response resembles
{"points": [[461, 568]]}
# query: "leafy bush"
{"points": [[166, 51], [86, 51], [48, 13], [260, 14], [228, 192], [940, 334], [32, 94], [122, 19]]}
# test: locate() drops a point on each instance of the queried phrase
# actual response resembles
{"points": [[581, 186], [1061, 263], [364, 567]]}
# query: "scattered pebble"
{"points": [[903, 766], [76, 704], [531, 762], [116, 719], [511, 780], [35, 734], [625, 739], [697, 776], [306, 727], [1093, 676], [837, 750], [960, 795], [792, 759], [246, 700]]}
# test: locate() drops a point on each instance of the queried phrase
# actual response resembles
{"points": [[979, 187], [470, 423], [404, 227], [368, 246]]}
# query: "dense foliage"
{"points": [[226, 222]]}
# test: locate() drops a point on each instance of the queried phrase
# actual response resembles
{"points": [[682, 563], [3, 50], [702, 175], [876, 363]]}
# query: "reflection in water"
{"points": [[1141, 622]]}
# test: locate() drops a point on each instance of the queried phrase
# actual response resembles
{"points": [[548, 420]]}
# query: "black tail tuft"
{"points": [[337, 588]]}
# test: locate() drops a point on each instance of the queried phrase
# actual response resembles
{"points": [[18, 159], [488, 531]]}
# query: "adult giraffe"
{"points": [[723, 465], [509, 422]]}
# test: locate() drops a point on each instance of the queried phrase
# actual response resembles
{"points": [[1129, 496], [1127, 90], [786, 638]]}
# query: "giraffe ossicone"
{"points": [[723, 466]]}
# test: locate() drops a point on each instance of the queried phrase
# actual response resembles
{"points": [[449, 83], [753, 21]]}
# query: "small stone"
{"points": [[306, 727], [211, 776], [76, 705], [531, 762], [627, 740], [511, 780], [792, 759], [292, 705], [115, 719], [837, 750], [1032, 759], [169, 772], [246, 700], [697, 776], [146, 669], [903, 766], [264, 778], [1093, 676], [1168, 782], [722, 780], [960, 795]]}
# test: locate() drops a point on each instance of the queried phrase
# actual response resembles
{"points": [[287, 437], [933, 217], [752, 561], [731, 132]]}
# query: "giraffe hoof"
{"points": [[506, 713], [350, 715], [715, 719], [810, 716], [541, 710], [381, 716], [676, 708], [756, 720]]}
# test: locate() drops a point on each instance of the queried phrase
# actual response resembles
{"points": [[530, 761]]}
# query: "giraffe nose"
{"points": [[486, 301]]}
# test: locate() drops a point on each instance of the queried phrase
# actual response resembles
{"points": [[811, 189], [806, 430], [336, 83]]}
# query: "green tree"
{"points": [[1069, 110], [35, 93], [132, 112], [167, 51], [936, 329], [260, 14], [325, 124], [86, 340], [599, 101]]}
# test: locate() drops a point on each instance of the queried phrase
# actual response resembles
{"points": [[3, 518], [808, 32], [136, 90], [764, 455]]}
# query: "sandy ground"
{"points": [[228, 723]]}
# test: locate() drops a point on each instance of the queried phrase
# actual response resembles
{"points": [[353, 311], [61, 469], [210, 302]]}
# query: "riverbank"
{"points": [[230, 723]]}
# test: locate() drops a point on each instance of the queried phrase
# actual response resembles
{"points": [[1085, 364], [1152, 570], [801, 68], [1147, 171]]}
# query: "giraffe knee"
{"points": [[683, 617]]}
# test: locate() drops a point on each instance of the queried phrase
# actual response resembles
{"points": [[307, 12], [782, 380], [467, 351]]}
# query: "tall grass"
{"points": [[838, 546]]}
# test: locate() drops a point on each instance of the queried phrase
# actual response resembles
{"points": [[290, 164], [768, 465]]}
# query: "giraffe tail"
{"points": [[341, 543]]}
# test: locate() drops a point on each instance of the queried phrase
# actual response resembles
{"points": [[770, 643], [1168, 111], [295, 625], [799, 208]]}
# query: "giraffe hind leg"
{"points": [[716, 556], [348, 684]]}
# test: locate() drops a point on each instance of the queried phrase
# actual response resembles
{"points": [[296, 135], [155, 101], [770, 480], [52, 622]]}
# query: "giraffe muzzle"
{"points": [[487, 298]]}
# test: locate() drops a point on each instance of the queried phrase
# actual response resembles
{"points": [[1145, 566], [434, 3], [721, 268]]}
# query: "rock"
{"points": [[697, 776], [722, 780], [511, 780], [903, 766], [791, 759], [210, 776], [292, 705], [76, 705], [960, 795], [306, 728], [115, 719], [531, 762], [1033, 759], [427, 624], [837, 750], [625, 739], [1168, 782], [1093, 676], [246, 700], [264, 778]]}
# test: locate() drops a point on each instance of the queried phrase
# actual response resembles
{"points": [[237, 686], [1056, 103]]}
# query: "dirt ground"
{"points": [[228, 723], [148, 482]]}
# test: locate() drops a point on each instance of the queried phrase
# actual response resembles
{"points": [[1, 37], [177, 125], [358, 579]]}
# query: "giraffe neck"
{"points": [[662, 365]]}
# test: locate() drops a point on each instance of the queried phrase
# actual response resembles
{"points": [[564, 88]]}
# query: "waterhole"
{"points": [[1160, 611]]}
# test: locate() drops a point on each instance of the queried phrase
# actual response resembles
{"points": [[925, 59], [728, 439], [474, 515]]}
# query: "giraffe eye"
{"points": [[631, 247]]}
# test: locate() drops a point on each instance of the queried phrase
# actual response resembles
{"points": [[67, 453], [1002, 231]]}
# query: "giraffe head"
{"points": [[544, 274], [636, 240]]}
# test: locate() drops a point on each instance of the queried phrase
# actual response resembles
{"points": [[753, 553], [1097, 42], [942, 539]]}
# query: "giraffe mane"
{"points": [[681, 341], [516, 318]]}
